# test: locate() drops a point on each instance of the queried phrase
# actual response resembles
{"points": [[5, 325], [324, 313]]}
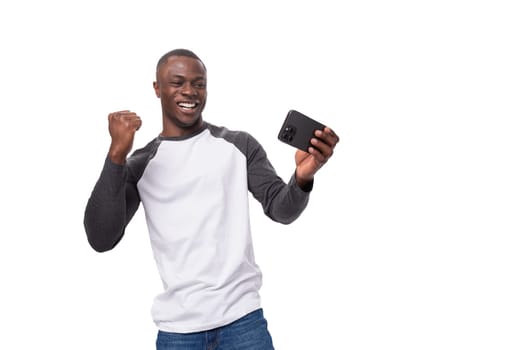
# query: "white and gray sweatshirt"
{"points": [[194, 191]]}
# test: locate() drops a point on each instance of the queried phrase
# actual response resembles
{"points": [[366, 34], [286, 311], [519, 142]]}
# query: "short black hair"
{"points": [[178, 52]]}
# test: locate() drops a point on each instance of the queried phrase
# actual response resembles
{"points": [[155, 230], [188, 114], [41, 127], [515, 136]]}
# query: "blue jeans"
{"points": [[247, 333]]}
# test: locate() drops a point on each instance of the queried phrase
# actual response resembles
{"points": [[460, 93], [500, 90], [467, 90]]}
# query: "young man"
{"points": [[193, 181]]}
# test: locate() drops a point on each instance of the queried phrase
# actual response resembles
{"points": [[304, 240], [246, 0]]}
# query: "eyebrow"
{"points": [[200, 77]]}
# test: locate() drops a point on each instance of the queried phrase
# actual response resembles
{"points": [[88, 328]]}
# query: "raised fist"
{"points": [[122, 128]]}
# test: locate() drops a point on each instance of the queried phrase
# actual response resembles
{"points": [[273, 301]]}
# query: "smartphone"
{"points": [[298, 129]]}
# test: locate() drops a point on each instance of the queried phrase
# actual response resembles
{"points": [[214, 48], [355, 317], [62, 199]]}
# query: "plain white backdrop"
{"points": [[415, 233]]}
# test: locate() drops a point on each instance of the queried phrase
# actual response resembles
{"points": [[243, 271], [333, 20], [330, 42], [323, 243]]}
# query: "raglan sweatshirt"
{"points": [[195, 195]]}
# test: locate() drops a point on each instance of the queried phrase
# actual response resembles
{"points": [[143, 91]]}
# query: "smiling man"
{"points": [[181, 87], [193, 180]]}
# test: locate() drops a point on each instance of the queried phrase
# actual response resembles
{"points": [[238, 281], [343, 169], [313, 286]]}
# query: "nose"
{"points": [[188, 89]]}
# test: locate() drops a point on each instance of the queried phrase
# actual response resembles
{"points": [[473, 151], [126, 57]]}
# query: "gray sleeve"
{"points": [[113, 202], [282, 202]]}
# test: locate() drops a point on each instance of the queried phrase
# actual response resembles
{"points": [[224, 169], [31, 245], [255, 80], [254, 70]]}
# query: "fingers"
{"points": [[119, 114], [328, 136], [128, 118], [323, 144], [321, 152]]}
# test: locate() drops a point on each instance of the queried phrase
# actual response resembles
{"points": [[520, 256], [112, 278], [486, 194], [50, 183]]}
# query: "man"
{"points": [[193, 181]]}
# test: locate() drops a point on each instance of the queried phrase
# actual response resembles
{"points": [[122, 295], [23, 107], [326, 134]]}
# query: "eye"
{"points": [[199, 85], [176, 83]]}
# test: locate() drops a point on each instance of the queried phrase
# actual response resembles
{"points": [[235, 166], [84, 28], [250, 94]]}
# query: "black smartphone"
{"points": [[298, 129]]}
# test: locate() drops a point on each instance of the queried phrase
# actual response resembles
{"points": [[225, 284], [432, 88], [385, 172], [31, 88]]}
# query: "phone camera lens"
{"points": [[288, 133]]}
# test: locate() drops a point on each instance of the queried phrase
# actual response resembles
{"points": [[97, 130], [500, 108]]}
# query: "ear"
{"points": [[157, 89]]}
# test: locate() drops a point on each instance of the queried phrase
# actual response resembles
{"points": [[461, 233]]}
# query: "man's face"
{"points": [[181, 87]]}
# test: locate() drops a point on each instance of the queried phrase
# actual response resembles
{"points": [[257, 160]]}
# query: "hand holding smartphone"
{"points": [[298, 129]]}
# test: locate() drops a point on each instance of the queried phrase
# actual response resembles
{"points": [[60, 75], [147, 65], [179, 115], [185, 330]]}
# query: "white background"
{"points": [[414, 236]]}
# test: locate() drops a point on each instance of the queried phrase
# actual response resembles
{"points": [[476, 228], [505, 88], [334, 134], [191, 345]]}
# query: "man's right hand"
{"points": [[122, 128]]}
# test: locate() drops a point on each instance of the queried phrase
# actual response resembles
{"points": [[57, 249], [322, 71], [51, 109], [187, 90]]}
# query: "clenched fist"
{"points": [[122, 128]]}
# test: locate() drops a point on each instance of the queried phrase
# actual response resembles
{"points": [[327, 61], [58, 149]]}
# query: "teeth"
{"points": [[187, 104]]}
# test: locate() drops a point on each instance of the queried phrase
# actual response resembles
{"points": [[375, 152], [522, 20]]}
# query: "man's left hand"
{"points": [[308, 163]]}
